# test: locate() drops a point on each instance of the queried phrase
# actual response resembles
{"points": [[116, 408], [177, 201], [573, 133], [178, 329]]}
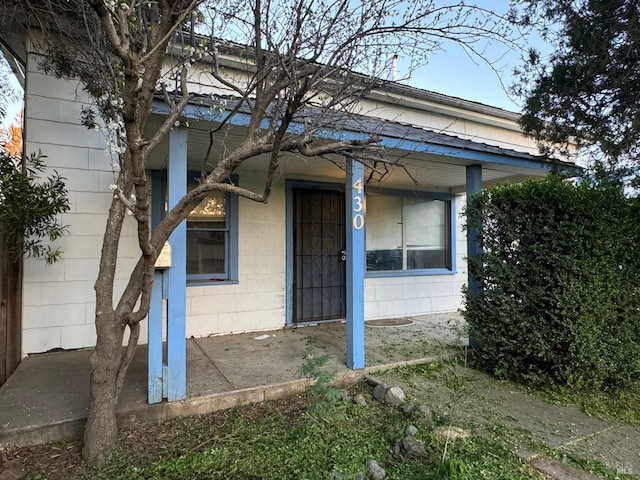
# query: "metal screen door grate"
{"points": [[319, 244]]}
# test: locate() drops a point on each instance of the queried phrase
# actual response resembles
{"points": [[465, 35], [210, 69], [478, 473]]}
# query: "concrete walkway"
{"points": [[488, 407], [47, 397]]}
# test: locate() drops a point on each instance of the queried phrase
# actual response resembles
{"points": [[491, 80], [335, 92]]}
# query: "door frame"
{"points": [[290, 218]]}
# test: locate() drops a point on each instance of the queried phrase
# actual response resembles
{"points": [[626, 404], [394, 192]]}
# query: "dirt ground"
{"points": [[63, 460]]}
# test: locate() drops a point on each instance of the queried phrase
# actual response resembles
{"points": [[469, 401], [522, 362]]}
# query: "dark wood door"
{"points": [[319, 255]]}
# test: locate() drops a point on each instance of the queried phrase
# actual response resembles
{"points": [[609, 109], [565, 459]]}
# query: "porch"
{"points": [[47, 397]]}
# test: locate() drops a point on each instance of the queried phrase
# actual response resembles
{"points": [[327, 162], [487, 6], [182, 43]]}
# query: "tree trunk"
{"points": [[101, 430]]}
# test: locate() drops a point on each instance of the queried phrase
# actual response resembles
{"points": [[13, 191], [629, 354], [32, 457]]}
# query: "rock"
{"points": [[426, 415], [426, 411], [379, 391], [12, 470], [409, 447], [376, 471], [414, 410], [409, 408], [359, 399], [394, 396], [452, 432], [411, 431]]}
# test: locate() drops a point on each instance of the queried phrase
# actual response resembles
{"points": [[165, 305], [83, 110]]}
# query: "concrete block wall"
{"points": [[59, 300], [257, 301]]}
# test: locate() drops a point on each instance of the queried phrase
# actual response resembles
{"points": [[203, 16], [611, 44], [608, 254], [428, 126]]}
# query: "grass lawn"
{"points": [[300, 437]]}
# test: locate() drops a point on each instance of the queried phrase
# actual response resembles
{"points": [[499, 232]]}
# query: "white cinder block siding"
{"points": [[59, 300]]}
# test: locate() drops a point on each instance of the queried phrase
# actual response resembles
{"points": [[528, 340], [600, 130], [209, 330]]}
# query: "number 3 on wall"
{"points": [[358, 218]]}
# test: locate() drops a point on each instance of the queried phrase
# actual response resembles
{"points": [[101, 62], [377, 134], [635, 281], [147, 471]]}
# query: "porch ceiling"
{"points": [[424, 170]]}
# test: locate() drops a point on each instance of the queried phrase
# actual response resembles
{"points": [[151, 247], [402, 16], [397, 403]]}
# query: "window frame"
{"points": [[159, 184], [449, 200]]}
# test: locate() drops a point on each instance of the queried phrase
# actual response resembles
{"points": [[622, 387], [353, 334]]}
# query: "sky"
{"points": [[453, 72], [14, 109]]}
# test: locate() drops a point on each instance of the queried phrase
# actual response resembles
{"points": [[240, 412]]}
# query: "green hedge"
{"points": [[560, 274]]}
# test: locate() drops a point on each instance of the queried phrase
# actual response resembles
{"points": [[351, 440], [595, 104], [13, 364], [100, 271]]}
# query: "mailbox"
{"points": [[164, 258]]}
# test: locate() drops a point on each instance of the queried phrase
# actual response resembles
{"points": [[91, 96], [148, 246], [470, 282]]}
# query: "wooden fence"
{"points": [[10, 309]]}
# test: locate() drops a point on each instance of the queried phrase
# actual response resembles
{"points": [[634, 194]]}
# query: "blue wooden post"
{"points": [[154, 355], [176, 381], [474, 185], [155, 361], [355, 216]]}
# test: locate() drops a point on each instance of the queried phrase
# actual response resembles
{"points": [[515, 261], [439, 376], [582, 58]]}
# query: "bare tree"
{"points": [[306, 61]]}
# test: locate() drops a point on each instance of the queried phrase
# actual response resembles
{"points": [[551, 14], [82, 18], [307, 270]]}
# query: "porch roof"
{"points": [[437, 159]]}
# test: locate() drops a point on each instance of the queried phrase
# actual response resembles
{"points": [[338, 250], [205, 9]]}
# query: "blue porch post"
{"points": [[474, 185], [154, 355], [355, 215], [167, 376], [176, 378], [155, 361]]}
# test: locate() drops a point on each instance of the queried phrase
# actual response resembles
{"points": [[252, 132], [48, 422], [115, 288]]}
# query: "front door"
{"points": [[319, 255]]}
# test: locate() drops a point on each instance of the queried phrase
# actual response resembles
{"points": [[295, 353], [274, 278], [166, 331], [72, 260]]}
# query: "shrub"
{"points": [[31, 207], [559, 273]]}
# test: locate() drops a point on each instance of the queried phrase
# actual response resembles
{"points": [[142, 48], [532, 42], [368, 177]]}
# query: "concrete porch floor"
{"points": [[47, 397]]}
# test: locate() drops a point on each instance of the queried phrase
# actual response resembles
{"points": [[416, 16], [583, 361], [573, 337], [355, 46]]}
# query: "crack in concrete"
{"points": [[575, 441], [195, 340]]}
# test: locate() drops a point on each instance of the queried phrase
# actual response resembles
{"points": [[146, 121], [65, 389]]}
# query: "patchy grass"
{"points": [[621, 405], [293, 438], [302, 437], [484, 405]]}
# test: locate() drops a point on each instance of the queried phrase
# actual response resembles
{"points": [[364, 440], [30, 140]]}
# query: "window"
{"points": [[212, 234], [406, 232]]}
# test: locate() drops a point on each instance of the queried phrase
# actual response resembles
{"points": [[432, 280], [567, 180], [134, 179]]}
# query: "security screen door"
{"points": [[319, 255]]}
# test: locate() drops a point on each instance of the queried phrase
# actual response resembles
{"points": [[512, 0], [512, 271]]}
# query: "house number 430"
{"points": [[358, 205]]}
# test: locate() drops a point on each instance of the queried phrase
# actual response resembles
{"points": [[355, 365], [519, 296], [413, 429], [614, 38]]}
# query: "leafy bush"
{"points": [[559, 277], [30, 206]]}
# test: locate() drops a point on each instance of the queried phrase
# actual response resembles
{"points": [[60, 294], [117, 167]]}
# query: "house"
{"points": [[331, 244]]}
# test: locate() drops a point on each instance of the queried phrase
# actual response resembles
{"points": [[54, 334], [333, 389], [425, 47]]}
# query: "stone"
{"points": [[452, 432], [411, 431], [560, 471], [409, 447], [376, 471], [426, 415], [12, 470], [359, 399], [409, 408], [426, 411], [379, 391], [394, 396]]}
